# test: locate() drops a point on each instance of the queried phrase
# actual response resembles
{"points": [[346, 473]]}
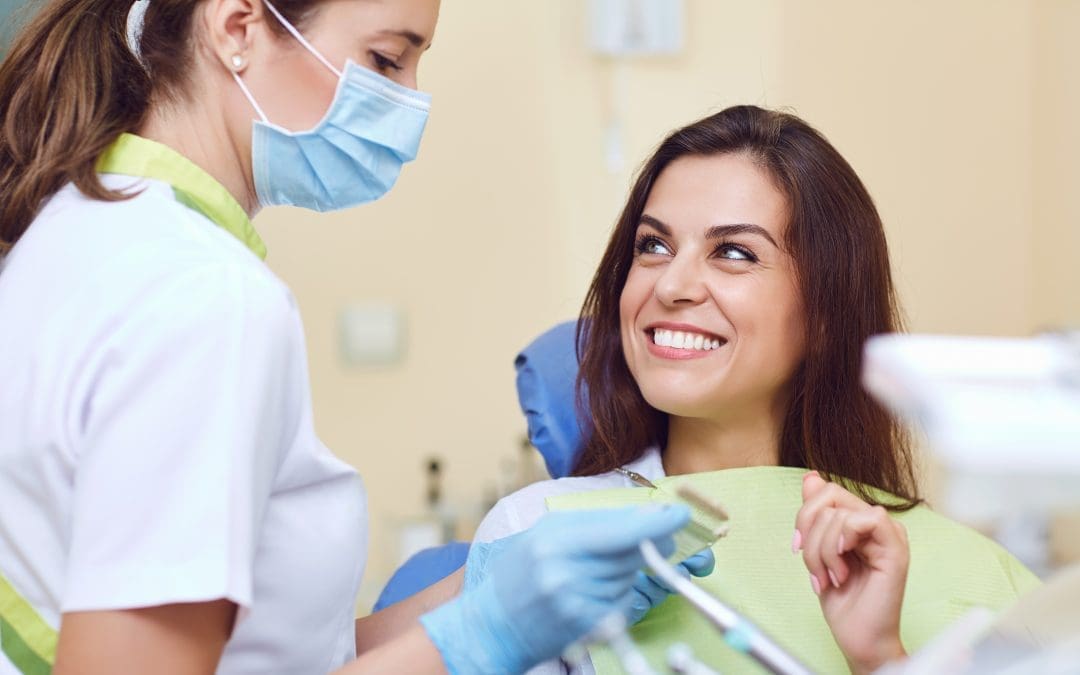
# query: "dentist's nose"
{"points": [[683, 282]]}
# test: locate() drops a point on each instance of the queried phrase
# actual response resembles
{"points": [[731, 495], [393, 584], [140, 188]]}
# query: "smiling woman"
{"points": [[706, 266], [720, 342], [747, 225]]}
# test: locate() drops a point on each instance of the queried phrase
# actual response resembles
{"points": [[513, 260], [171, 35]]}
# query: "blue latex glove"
{"points": [[648, 591], [548, 587]]}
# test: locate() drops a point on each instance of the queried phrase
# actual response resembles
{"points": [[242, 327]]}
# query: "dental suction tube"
{"points": [[738, 631]]}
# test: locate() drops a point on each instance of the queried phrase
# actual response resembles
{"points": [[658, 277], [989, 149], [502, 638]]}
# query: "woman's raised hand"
{"points": [[857, 556]]}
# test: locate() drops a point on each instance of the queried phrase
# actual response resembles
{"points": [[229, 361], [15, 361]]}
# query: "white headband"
{"points": [[135, 25]]}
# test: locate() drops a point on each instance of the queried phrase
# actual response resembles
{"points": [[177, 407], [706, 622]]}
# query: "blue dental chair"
{"points": [[546, 379]]}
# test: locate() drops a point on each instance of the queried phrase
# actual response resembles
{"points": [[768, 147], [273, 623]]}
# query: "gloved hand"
{"points": [[549, 586], [650, 592]]}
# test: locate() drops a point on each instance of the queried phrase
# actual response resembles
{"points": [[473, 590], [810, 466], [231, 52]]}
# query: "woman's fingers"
{"points": [[857, 556], [818, 495], [812, 550], [875, 536], [834, 524], [831, 543], [877, 539]]}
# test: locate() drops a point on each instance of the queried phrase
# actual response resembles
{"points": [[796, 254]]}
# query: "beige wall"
{"points": [[1056, 164], [930, 101], [958, 115]]}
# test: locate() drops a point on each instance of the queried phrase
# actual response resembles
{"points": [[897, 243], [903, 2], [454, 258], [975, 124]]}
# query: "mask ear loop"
{"points": [[250, 98], [300, 38]]}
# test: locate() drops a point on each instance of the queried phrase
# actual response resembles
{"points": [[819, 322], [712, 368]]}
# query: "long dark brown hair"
{"points": [[69, 86], [842, 267]]}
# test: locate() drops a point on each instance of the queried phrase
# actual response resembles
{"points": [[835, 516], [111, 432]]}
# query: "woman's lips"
{"points": [[681, 343]]}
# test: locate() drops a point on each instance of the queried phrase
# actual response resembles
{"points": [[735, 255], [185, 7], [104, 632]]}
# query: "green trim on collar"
{"points": [[132, 155]]}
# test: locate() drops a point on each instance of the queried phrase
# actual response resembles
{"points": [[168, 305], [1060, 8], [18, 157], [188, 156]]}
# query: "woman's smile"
{"points": [[681, 341]]}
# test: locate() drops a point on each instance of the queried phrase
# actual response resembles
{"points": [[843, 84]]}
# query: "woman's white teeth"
{"points": [[680, 340]]}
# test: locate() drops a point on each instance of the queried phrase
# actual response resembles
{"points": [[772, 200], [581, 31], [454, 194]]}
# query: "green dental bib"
{"points": [[953, 568]]}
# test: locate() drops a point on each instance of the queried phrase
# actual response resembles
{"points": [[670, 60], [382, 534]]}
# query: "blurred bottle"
{"points": [[438, 507], [525, 467], [436, 525]]}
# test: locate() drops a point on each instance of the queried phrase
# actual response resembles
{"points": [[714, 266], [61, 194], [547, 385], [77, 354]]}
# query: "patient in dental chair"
{"points": [[720, 345]]}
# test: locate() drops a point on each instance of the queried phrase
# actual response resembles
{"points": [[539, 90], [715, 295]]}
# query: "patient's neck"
{"points": [[695, 445]]}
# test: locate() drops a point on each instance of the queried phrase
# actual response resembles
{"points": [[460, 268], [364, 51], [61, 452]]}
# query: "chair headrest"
{"points": [[546, 384]]}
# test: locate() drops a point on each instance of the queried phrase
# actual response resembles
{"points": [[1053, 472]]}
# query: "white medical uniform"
{"points": [[156, 438]]}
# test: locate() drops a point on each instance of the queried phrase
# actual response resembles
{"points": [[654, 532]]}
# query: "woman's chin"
{"points": [[678, 404]]}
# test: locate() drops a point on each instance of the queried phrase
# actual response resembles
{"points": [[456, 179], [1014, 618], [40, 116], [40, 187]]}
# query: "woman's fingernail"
{"points": [[840, 546], [815, 584], [796, 542], [833, 579]]}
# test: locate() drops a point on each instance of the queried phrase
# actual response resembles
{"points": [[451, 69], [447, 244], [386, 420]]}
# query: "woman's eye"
{"points": [[383, 63], [733, 252], [652, 245]]}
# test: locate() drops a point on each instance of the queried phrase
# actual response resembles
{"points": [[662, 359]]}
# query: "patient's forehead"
{"points": [[694, 193]]}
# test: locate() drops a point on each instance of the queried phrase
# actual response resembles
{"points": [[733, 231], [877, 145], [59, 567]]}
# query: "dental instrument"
{"points": [[739, 632], [612, 630], [680, 659], [708, 518]]}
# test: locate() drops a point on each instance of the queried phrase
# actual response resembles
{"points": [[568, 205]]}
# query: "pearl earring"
{"points": [[237, 62]]}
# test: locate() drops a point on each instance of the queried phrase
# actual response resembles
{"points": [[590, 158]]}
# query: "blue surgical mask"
{"points": [[353, 156]]}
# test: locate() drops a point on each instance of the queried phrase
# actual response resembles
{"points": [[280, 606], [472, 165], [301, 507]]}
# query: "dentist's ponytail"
{"points": [[68, 87]]}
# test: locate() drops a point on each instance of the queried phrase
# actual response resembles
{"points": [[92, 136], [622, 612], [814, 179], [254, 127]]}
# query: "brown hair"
{"points": [[832, 425], [70, 86]]}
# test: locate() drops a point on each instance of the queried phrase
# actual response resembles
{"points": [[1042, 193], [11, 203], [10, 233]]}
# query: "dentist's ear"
{"points": [[233, 30]]}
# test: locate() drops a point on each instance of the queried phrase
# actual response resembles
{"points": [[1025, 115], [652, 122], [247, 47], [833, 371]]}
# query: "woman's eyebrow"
{"points": [[655, 224], [716, 231], [721, 231]]}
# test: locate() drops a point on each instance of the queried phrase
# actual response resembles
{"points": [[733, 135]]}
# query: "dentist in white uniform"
{"points": [[165, 503]]}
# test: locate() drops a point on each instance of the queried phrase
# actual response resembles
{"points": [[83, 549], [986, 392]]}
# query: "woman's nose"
{"points": [[681, 283]]}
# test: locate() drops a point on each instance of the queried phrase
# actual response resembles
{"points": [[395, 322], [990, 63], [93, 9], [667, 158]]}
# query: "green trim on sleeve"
{"points": [[132, 155], [25, 638]]}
